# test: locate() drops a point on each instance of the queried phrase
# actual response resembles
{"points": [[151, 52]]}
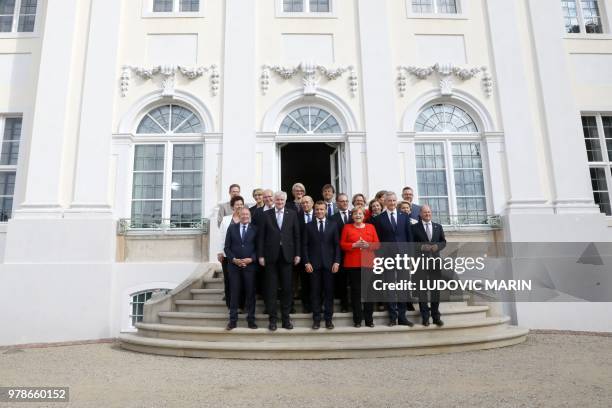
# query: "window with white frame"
{"points": [[9, 153], [310, 120], [18, 16], [582, 16], [597, 129], [450, 173], [138, 301], [168, 170], [306, 6], [176, 6], [435, 6]]}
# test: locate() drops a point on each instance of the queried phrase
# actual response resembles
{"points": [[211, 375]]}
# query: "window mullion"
{"points": [[16, 13], [450, 171], [177, 6], [166, 204], [580, 16], [602, 139]]}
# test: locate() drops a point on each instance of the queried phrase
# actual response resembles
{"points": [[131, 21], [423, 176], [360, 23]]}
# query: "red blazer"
{"points": [[353, 256]]}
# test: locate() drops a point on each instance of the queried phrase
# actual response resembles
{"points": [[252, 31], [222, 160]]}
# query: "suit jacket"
{"points": [[337, 217], [321, 251], [334, 208], [384, 229], [257, 215], [437, 237], [252, 210], [292, 205], [415, 213], [274, 242], [235, 247], [302, 221], [224, 209]]}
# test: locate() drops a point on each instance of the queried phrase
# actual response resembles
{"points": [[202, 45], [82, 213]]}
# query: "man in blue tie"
{"points": [[241, 252], [328, 192], [394, 231]]}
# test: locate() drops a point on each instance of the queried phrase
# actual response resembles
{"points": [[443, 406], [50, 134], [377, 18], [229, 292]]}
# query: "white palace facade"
{"points": [[123, 123]]}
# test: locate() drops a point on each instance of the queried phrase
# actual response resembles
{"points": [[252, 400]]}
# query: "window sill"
{"points": [[604, 36], [418, 16], [307, 15], [18, 35], [150, 14]]}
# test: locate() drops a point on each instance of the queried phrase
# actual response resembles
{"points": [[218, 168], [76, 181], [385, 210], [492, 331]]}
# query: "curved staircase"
{"points": [[190, 322]]}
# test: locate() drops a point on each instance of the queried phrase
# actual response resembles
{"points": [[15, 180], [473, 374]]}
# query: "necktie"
{"points": [[329, 210], [321, 227], [344, 219], [393, 222], [309, 218], [428, 230], [243, 232], [279, 218]]}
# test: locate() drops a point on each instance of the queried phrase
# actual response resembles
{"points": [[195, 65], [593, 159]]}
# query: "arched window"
{"points": [[169, 119], [310, 120], [445, 118], [168, 170], [450, 174]]}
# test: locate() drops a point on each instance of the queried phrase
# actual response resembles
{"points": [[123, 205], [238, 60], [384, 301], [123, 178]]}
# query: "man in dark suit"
{"points": [[241, 252], [256, 219], [342, 217], [393, 229], [278, 249], [430, 240], [305, 217], [408, 195], [321, 252], [328, 191]]}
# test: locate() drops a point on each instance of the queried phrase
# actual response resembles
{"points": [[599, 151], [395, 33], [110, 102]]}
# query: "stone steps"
{"points": [[346, 334], [394, 343], [218, 306], [450, 314], [190, 322]]}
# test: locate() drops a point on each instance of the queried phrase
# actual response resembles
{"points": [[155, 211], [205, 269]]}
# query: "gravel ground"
{"points": [[549, 370]]}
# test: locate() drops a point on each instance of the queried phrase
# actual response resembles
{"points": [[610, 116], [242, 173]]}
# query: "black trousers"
{"points": [[227, 288], [359, 314], [306, 288], [341, 280], [242, 281], [433, 308], [279, 271], [322, 281]]}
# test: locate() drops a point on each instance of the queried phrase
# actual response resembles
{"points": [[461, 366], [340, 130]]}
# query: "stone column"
{"points": [[378, 96], [526, 193], [567, 158], [239, 87]]}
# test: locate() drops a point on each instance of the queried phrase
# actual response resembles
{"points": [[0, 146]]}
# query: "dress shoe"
{"points": [[316, 326], [425, 322], [272, 326], [288, 325], [406, 323], [370, 324], [230, 326], [357, 325], [438, 322], [329, 325], [252, 325], [392, 323]]}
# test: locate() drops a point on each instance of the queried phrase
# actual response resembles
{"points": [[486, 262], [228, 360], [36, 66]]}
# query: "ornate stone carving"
{"points": [[311, 76], [168, 75], [447, 73]]}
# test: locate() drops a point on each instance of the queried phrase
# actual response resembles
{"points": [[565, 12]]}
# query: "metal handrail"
{"points": [[162, 225]]}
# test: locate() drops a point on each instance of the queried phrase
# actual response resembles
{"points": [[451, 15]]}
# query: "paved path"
{"points": [[549, 370]]}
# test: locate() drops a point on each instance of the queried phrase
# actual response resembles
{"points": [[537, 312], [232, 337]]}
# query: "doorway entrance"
{"points": [[312, 164]]}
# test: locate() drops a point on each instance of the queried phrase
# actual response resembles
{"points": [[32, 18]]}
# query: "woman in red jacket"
{"points": [[359, 241]]}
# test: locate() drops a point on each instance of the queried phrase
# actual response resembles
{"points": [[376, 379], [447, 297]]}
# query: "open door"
{"points": [[335, 165]]}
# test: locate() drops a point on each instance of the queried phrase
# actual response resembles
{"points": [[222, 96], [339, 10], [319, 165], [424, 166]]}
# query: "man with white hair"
{"points": [[278, 249]]}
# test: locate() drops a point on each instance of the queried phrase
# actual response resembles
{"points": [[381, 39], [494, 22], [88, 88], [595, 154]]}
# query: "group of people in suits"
{"points": [[325, 246]]}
